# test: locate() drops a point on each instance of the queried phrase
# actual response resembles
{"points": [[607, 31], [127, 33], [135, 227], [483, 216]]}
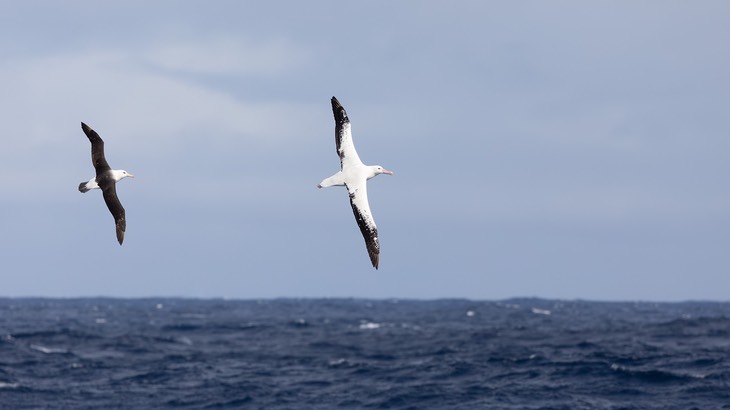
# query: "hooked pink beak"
{"points": [[130, 175], [385, 171]]}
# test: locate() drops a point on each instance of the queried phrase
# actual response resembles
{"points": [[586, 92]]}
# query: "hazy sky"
{"points": [[561, 149]]}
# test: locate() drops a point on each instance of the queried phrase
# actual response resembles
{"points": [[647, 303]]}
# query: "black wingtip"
{"points": [[339, 111], [83, 188], [121, 227], [375, 259], [87, 130]]}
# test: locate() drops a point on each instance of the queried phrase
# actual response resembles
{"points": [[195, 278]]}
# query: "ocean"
{"points": [[362, 354]]}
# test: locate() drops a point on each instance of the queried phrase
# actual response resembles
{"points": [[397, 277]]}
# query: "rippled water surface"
{"points": [[342, 353]]}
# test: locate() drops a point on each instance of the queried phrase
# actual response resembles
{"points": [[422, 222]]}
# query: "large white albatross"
{"points": [[354, 175], [106, 179]]}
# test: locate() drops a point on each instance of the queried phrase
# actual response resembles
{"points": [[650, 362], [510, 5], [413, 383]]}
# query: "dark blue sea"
{"points": [[362, 354]]}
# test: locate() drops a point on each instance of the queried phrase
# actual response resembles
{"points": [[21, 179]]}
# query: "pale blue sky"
{"points": [[561, 149]]}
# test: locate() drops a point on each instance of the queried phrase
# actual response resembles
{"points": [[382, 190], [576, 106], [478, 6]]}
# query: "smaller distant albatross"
{"points": [[353, 175], [106, 180]]}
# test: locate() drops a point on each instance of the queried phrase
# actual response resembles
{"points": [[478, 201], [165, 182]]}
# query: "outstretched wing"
{"points": [[97, 150], [361, 209], [109, 188], [343, 137]]}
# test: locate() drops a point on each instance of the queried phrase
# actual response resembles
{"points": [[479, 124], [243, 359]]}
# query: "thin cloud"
{"points": [[113, 88], [229, 56]]}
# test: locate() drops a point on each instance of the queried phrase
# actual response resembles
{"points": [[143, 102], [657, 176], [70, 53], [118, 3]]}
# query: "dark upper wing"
{"points": [[97, 150], [361, 209], [109, 188], [343, 136]]}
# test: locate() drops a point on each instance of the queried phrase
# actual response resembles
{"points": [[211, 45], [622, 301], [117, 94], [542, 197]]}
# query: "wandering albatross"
{"points": [[106, 180], [353, 175]]}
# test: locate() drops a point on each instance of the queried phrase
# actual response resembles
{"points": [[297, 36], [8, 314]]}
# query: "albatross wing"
{"points": [[360, 207], [343, 137], [97, 150], [109, 188]]}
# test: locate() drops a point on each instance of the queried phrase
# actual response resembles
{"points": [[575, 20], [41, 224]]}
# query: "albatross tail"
{"points": [[88, 185]]}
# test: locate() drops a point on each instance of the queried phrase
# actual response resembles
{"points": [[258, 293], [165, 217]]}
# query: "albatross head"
{"points": [[377, 169], [120, 174]]}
